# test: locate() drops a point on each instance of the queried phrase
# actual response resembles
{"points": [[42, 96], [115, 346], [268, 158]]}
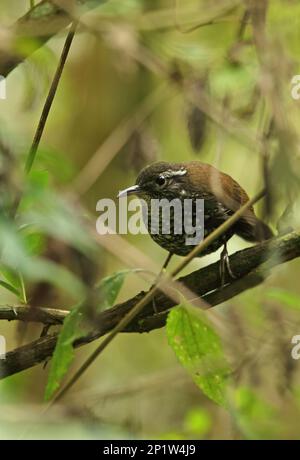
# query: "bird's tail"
{"points": [[263, 231], [250, 228]]}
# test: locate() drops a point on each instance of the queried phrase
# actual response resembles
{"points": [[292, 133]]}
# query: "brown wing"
{"points": [[232, 196]]}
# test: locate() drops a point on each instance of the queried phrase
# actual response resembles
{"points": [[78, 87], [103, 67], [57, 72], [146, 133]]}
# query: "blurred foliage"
{"points": [[223, 91]]}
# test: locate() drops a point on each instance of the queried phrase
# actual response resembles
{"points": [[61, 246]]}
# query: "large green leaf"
{"points": [[64, 353], [75, 327], [199, 350]]}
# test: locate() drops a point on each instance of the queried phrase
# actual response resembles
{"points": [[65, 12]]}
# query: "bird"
{"points": [[194, 180]]}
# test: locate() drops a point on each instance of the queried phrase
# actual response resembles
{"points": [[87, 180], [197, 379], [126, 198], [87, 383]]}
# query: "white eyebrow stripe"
{"points": [[172, 173]]}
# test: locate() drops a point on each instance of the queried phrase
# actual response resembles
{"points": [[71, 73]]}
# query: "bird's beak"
{"points": [[134, 189]]}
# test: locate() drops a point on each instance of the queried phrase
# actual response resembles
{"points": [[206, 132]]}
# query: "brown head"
{"points": [[190, 179]]}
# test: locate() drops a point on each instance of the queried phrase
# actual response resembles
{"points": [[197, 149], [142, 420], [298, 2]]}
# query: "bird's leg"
{"points": [[163, 269], [45, 330], [224, 264]]}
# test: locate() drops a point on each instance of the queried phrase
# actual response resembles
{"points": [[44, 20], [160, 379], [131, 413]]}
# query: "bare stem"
{"points": [[50, 98]]}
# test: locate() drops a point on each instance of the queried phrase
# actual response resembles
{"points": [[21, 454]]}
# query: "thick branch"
{"points": [[36, 27], [251, 266]]}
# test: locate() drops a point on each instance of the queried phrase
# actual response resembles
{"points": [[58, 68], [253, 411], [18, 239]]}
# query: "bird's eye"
{"points": [[160, 181]]}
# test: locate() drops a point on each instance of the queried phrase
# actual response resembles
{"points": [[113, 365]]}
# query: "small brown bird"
{"points": [[222, 196]]}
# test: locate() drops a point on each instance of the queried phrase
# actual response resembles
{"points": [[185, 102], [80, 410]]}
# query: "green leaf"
{"points": [[64, 352], [73, 328], [254, 415], [10, 288], [56, 163], [197, 421], [38, 179], [290, 299], [199, 350], [12, 279], [23, 294], [110, 287], [14, 283], [34, 240], [230, 79]]}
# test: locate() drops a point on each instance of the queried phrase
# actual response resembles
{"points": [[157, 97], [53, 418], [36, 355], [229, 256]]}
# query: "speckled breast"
{"points": [[213, 215]]}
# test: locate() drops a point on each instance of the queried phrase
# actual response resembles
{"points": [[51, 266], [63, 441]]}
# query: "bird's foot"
{"points": [[154, 306], [225, 265]]}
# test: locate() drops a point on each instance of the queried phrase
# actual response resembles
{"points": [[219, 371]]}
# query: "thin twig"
{"points": [[52, 92], [45, 112], [27, 313], [243, 24], [213, 20]]}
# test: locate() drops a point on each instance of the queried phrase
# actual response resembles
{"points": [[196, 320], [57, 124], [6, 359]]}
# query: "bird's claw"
{"points": [[225, 265]]}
